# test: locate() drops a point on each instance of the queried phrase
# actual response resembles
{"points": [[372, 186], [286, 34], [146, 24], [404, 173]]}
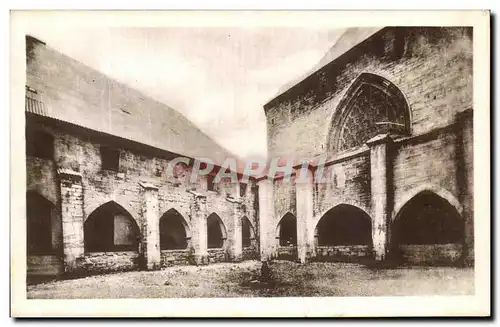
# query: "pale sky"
{"points": [[219, 78]]}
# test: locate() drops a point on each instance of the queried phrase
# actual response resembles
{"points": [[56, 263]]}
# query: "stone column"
{"points": [[304, 202], [381, 191], [150, 244], [199, 225], [235, 237], [266, 219], [72, 217], [465, 179]]}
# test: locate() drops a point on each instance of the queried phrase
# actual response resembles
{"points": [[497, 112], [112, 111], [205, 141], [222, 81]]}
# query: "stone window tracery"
{"points": [[371, 106]]}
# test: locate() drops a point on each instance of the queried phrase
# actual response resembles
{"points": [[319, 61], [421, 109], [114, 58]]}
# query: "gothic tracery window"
{"points": [[371, 106]]}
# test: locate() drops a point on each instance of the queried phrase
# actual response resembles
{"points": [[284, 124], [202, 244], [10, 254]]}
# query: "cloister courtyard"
{"points": [[286, 279]]}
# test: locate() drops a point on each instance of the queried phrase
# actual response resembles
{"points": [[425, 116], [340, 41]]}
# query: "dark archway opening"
{"points": [[172, 231], [111, 228], [288, 230], [39, 212], [215, 232], [345, 225], [246, 233], [428, 219]]}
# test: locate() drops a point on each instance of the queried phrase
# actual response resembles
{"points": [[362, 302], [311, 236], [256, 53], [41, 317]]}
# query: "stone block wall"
{"points": [[432, 67], [284, 199], [78, 151], [44, 265], [435, 254], [104, 262], [342, 252], [250, 253], [422, 161], [176, 258], [345, 182], [218, 255], [286, 253]]}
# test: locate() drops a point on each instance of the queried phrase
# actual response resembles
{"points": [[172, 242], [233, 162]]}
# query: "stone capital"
{"points": [[197, 195], [69, 175], [380, 139], [148, 186]]}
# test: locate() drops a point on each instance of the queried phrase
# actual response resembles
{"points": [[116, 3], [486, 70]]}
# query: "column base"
{"points": [[237, 258], [153, 266], [201, 259]]}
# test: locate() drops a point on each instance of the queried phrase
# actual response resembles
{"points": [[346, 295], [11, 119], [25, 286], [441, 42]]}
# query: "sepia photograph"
{"points": [[191, 160]]}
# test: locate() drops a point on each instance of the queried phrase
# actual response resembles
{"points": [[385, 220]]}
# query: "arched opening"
{"points": [[287, 230], [428, 219], [39, 213], [372, 105], [216, 234], [344, 225], [247, 233], [173, 231], [110, 228], [428, 229]]}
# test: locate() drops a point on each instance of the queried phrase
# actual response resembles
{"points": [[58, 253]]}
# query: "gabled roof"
{"points": [[62, 88], [350, 38]]}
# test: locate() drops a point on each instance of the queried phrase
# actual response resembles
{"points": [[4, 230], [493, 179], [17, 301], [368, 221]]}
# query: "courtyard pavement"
{"points": [[243, 280]]}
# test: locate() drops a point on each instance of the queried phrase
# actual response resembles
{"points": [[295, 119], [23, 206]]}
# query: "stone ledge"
{"points": [[379, 139], [148, 186], [197, 194], [69, 174]]}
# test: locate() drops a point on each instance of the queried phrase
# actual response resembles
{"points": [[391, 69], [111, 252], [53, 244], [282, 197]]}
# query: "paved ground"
{"points": [[240, 280]]}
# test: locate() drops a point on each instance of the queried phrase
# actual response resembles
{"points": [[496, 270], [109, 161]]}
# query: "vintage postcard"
{"points": [[250, 163]]}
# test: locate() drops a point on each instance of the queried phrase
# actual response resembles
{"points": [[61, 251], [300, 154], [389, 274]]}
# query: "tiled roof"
{"points": [[62, 88], [35, 107]]}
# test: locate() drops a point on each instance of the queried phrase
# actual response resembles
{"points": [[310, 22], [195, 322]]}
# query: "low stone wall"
{"points": [[431, 254], [217, 255], [102, 262], [44, 265], [176, 257], [250, 253], [287, 253], [342, 252]]}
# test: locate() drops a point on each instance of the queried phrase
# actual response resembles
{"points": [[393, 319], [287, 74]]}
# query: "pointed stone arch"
{"points": [[110, 227], [428, 218], [175, 232], [344, 224], [247, 232], [441, 192], [372, 105], [216, 231], [428, 229], [40, 222], [286, 230], [92, 205]]}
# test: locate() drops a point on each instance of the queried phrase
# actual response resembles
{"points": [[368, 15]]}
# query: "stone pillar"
{"points": [[236, 248], [381, 192], [266, 219], [199, 225], [72, 217], [465, 179], [150, 226], [304, 202]]}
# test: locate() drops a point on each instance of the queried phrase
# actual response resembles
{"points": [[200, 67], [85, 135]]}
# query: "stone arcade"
{"points": [[99, 197], [390, 108]]}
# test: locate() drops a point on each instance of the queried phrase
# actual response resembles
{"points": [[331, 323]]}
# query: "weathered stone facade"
{"points": [[392, 115], [77, 181]]}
